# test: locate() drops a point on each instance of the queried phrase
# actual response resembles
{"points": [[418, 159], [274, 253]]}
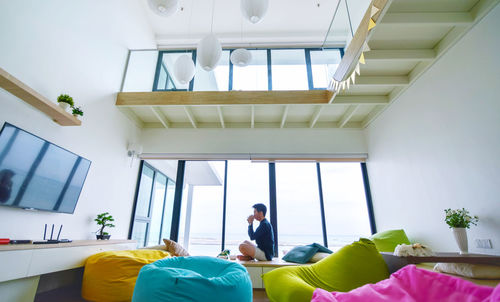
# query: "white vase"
{"points": [[461, 239], [64, 106]]}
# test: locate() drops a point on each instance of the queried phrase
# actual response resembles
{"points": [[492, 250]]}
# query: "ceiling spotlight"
{"points": [[254, 10], [241, 57], [164, 8]]}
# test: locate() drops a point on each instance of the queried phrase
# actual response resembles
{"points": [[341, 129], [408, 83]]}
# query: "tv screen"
{"points": [[36, 174]]}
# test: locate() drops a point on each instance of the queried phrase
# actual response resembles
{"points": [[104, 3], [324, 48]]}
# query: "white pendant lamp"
{"points": [[209, 52], [254, 10], [184, 69], [241, 57], [164, 8]]}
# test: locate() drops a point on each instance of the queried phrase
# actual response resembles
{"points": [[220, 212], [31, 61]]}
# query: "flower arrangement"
{"points": [[460, 218]]}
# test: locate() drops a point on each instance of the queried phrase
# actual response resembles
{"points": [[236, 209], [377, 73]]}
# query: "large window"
{"points": [[307, 202], [203, 197], [214, 80], [153, 206], [298, 205], [345, 203], [269, 69], [247, 184], [253, 76], [289, 69]]}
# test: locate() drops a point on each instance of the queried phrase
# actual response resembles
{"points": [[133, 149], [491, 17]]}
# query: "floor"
{"points": [[72, 294]]}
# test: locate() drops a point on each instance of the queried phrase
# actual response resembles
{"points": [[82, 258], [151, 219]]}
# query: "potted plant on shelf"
{"points": [[459, 221], [104, 220], [65, 101], [77, 111]]}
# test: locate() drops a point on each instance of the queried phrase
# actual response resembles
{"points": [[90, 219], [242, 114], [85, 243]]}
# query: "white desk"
{"points": [[21, 265]]}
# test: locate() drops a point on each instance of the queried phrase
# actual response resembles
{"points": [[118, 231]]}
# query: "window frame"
{"points": [[273, 214], [147, 219], [307, 54]]}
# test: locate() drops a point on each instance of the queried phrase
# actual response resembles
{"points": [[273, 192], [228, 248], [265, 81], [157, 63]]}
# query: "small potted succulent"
{"points": [[65, 101], [77, 111], [104, 220]]}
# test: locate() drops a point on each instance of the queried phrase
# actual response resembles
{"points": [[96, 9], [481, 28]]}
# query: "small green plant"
{"points": [[64, 98], [460, 218], [77, 111], [104, 220]]}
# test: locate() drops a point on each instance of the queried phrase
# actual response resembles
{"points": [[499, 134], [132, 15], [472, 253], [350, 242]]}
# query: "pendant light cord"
{"points": [[213, 10], [349, 18]]}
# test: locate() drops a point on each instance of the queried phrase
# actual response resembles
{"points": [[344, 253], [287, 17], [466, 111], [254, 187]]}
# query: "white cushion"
{"points": [[469, 270], [318, 256]]}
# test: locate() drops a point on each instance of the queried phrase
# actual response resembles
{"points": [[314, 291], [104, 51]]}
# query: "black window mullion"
{"points": [[132, 220], [230, 85], [322, 205], [269, 71], [224, 210], [307, 53], [368, 195], [191, 83], [157, 72], [176, 213], [272, 205]]}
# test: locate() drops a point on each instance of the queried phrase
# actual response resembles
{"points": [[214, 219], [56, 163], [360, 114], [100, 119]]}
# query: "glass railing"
{"points": [[269, 69]]}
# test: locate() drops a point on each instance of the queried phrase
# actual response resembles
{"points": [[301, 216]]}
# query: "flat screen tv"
{"points": [[36, 174]]}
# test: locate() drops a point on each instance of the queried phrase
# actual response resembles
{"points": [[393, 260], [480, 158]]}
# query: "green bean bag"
{"points": [[352, 266], [193, 279]]}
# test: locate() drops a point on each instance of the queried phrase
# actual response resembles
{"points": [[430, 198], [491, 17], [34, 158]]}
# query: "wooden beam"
{"points": [[354, 50], [184, 98], [315, 117], [381, 81], [400, 55], [221, 117], [160, 116], [283, 118], [430, 19], [347, 115], [190, 116], [41, 103], [252, 119]]}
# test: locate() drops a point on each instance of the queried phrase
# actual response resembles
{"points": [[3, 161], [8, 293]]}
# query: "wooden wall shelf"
{"points": [[30, 96]]}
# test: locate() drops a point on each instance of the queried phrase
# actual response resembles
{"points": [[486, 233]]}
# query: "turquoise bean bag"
{"points": [[193, 279]]}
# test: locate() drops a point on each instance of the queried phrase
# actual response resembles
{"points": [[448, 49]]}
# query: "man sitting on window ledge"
{"points": [[263, 235]]}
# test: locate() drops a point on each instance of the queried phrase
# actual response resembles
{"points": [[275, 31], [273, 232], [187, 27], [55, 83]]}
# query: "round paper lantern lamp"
{"points": [[164, 8], [184, 69], [241, 57], [209, 52], [254, 10]]}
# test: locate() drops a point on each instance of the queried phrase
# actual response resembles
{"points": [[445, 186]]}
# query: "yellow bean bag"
{"points": [[110, 276]]}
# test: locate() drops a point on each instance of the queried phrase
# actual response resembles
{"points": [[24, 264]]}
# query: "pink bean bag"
{"points": [[413, 284]]}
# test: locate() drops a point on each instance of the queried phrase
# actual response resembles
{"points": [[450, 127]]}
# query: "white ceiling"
{"points": [[287, 22]]}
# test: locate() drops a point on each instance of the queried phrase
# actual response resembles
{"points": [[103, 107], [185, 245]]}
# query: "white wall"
{"points": [[79, 48], [305, 141], [438, 146]]}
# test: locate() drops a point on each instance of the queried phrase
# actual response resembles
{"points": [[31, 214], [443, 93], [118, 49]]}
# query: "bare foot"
{"points": [[244, 258]]}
